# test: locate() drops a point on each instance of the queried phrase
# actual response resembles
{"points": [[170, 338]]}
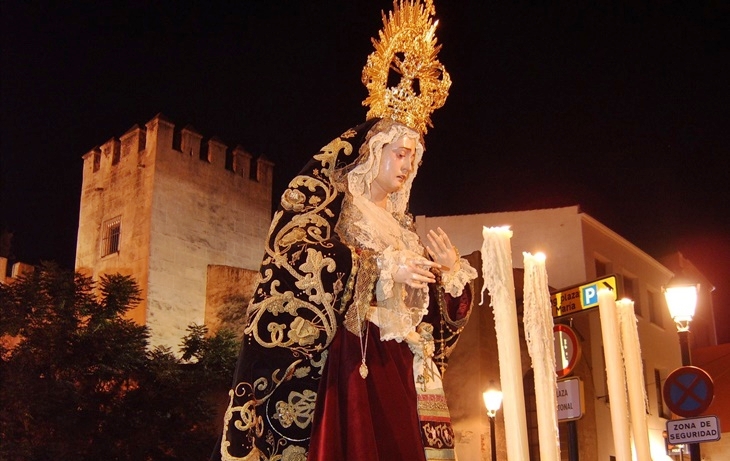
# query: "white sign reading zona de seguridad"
{"points": [[693, 430]]}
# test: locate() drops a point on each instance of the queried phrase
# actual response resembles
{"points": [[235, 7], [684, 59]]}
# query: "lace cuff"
{"points": [[388, 263], [454, 281]]}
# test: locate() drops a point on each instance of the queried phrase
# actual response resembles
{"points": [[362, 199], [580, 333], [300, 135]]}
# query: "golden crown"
{"points": [[407, 47]]}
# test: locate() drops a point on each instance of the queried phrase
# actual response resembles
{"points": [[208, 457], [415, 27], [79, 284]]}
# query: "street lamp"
{"points": [[492, 400], [681, 295]]}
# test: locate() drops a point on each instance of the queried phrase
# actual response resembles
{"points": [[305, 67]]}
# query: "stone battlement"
{"points": [[18, 269], [162, 204], [161, 134]]}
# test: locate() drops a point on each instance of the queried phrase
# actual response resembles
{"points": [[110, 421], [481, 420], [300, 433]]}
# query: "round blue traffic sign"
{"points": [[688, 391]]}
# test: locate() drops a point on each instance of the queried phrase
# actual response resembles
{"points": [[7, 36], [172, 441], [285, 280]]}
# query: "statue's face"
{"points": [[397, 161]]}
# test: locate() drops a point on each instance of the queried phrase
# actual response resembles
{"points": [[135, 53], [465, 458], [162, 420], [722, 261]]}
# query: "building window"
{"points": [[656, 308], [662, 411], [601, 268], [112, 230], [631, 290]]}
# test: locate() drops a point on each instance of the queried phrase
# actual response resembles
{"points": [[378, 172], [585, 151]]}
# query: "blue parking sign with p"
{"points": [[565, 302], [590, 295]]}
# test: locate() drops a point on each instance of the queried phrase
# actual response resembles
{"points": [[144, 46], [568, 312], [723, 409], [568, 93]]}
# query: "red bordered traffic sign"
{"points": [[567, 349], [688, 391]]}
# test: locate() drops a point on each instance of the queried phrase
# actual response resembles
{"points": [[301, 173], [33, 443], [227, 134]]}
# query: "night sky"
{"points": [[621, 109]]}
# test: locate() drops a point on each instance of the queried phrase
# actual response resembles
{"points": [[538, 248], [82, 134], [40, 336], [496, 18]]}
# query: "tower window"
{"points": [[112, 230]]}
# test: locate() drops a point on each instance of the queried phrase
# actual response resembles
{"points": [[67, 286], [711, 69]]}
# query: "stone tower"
{"points": [[163, 206]]}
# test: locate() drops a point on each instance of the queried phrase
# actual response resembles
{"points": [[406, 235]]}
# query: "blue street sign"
{"points": [[688, 391]]}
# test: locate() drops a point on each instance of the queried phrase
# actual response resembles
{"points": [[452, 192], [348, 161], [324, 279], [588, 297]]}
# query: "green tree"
{"points": [[79, 381]]}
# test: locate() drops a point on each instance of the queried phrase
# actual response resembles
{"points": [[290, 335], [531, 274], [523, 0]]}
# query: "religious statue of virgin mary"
{"points": [[353, 317]]}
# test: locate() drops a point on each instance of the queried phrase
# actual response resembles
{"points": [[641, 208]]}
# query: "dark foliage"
{"points": [[79, 381]]}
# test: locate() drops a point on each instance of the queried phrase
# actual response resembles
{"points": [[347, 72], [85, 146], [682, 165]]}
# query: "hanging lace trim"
{"points": [[454, 281], [362, 298]]}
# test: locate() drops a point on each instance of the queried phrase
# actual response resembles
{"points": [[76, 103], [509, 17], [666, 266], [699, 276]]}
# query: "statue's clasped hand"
{"points": [[416, 272], [422, 346]]}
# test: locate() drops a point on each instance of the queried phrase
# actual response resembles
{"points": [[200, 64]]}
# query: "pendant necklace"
{"points": [[363, 348]]}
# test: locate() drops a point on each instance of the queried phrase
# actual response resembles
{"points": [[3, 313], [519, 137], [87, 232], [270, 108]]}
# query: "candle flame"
{"points": [[497, 230]]}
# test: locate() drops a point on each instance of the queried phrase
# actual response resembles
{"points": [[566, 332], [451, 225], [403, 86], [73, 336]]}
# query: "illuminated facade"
{"points": [[579, 249], [177, 213]]}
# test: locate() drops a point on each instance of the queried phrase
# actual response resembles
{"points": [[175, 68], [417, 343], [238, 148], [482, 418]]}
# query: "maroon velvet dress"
{"points": [[376, 418]]}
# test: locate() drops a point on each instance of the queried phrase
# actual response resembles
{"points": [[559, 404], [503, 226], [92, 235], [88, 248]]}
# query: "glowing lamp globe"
{"points": [[681, 296], [492, 400]]}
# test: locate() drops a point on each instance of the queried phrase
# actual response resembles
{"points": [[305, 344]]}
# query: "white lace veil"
{"points": [[364, 173]]}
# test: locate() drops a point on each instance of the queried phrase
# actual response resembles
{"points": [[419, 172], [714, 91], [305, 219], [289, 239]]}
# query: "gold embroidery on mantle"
{"points": [[310, 197], [297, 310]]}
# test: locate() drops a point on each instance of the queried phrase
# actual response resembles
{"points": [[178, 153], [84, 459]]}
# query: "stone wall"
{"points": [[184, 204], [229, 290], [117, 182]]}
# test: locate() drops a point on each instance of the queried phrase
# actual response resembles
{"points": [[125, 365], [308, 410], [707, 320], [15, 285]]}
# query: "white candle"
{"points": [[634, 378], [499, 280], [538, 322], [615, 374]]}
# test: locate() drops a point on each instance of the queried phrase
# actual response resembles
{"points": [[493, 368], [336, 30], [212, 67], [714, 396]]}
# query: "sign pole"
{"points": [[694, 448], [573, 454]]}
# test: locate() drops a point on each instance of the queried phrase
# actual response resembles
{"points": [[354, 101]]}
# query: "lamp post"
{"points": [[681, 295], [492, 400]]}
